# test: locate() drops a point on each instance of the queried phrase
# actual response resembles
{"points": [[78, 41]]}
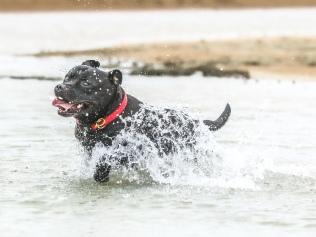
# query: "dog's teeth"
{"points": [[61, 98], [79, 106]]}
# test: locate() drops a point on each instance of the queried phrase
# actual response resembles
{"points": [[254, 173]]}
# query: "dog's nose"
{"points": [[58, 88]]}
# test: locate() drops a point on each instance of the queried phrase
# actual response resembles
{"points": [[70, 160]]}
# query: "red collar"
{"points": [[103, 122]]}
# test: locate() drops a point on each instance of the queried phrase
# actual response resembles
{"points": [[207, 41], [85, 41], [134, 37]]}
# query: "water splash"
{"points": [[196, 160]]}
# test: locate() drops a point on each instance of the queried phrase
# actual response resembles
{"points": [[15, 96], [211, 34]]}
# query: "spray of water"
{"points": [[195, 160]]}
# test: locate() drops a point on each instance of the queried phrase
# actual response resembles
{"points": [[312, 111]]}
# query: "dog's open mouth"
{"points": [[66, 108]]}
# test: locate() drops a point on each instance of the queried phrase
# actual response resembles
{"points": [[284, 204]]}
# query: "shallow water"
{"points": [[265, 177]]}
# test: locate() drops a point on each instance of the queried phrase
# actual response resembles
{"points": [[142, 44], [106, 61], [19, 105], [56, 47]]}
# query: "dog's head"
{"points": [[86, 90]]}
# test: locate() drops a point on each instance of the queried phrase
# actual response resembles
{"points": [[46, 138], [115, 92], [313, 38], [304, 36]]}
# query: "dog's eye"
{"points": [[85, 83]]}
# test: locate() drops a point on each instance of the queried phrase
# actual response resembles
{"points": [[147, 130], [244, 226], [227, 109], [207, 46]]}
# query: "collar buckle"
{"points": [[100, 123]]}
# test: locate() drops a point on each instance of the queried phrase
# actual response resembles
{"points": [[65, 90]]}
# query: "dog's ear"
{"points": [[91, 63], [116, 77]]}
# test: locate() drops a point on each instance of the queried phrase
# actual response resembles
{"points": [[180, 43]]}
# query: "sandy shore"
{"points": [[280, 56], [144, 4]]}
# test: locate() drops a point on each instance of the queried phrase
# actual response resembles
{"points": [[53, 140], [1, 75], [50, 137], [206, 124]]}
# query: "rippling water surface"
{"points": [[262, 173]]}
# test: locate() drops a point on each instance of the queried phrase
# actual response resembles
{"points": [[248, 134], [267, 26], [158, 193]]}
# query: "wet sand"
{"points": [[282, 56], [144, 4]]}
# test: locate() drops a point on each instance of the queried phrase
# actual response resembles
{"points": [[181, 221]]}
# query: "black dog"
{"points": [[103, 110]]}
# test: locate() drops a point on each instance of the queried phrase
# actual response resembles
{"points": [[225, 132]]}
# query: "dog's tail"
{"points": [[218, 123]]}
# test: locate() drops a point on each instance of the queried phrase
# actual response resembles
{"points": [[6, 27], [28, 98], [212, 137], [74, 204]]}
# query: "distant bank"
{"points": [[30, 5], [281, 56]]}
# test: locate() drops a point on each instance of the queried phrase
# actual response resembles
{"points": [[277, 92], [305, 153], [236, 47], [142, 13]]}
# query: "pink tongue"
{"points": [[62, 104]]}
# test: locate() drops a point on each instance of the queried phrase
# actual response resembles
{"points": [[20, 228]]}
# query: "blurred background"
{"points": [[145, 4], [228, 37]]}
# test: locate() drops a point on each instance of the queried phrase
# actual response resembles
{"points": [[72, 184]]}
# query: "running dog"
{"points": [[103, 110]]}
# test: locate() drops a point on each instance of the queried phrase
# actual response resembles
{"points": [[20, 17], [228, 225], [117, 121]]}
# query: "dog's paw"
{"points": [[100, 178], [101, 173]]}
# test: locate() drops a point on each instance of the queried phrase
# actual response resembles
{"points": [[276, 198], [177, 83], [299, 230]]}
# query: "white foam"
{"points": [[208, 164]]}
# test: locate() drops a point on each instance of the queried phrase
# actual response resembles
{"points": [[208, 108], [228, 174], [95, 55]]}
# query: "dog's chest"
{"points": [[89, 138]]}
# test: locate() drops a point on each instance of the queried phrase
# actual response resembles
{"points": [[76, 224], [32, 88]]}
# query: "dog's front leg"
{"points": [[102, 172]]}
